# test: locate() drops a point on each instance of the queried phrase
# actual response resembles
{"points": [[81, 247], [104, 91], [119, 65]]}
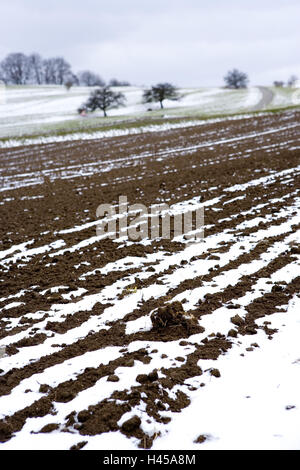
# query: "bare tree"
{"points": [[292, 80], [36, 68], [49, 70], [88, 78], [19, 69], [236, 79], [116, 82], [63, 70], [56, 71], [103, 98], [15, 68], [2, 77], [74, 78], [160, 92]]}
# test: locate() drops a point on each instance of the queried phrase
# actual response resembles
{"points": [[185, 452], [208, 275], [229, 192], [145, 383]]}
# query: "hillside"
{"points": [[27, 110]]}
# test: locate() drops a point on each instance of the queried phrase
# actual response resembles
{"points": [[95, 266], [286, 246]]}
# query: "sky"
{"points": [[188, 43]]}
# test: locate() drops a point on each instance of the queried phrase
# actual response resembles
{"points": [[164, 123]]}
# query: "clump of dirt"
{"points": [[171, 315], [79, 445], [131, 424], [144, 378], [101, 418], [215, 373], [49, 427], [44, 388], [179, 359], [232, 333], [237, 320], [200, 439], [113, 378]]}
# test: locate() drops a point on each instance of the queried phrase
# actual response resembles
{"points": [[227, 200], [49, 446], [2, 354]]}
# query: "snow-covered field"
{"points": [[42, 109], [81, 360]]}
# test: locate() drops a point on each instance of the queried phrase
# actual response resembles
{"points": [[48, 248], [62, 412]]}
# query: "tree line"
{"points": [[290, 83], [21, 69]]}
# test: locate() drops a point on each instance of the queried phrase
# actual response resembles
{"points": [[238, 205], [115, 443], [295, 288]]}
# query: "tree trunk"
{"points": [[104, 112], [161, 105]]}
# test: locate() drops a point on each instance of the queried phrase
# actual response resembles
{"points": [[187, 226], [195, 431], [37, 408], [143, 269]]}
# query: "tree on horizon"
{"points": [[103, 98], [160, 92], [236, 79]]}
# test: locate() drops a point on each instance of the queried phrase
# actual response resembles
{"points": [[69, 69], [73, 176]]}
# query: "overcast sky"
{"points": [[187, 42]]}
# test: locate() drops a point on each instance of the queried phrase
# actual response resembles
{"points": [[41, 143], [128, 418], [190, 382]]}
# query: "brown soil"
{"points": [[75, 177]]}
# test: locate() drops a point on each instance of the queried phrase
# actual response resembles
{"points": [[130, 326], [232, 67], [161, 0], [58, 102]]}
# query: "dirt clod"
{"points": [[49, 427], [237, 320], [215, 372], [79, 445], [131, 424], [232, 333], [113, 378], [170, 315]]}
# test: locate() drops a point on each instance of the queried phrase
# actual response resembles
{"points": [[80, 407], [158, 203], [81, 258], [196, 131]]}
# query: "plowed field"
{"points": [[109, 343]]}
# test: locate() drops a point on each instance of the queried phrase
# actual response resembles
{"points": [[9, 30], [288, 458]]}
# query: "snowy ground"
{"points": [[42, 109], [252, 226], [261, 410]]}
